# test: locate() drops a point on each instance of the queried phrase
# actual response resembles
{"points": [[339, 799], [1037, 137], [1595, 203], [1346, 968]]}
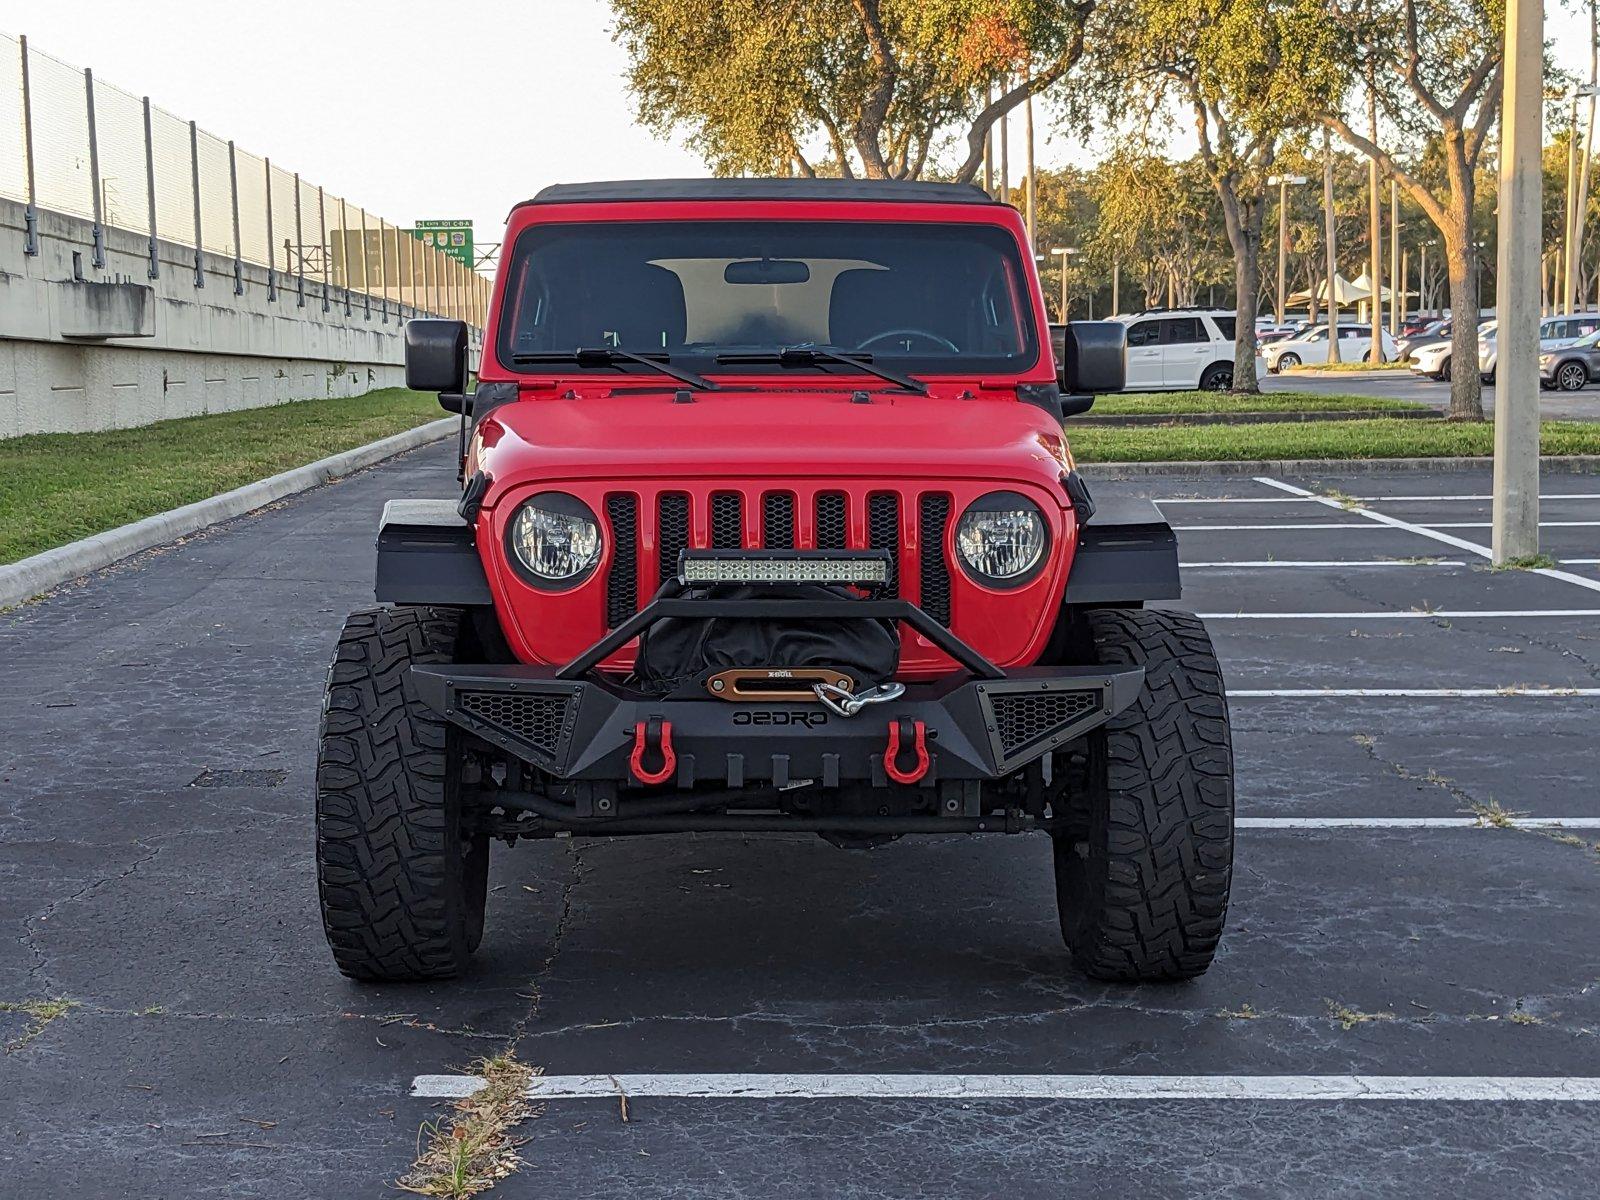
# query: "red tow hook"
{"points": [[656, 735], [917, 733]]}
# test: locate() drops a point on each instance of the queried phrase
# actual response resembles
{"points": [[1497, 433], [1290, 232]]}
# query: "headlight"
{"points": [[1546, 359], [1001, 539], [555, 539]]}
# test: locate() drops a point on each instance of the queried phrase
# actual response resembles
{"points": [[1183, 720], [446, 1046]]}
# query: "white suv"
{"points": [[1180, 348]]}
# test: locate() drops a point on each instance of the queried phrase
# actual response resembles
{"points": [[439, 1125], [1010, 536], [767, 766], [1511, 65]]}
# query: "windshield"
{"points": [[914, 296]]}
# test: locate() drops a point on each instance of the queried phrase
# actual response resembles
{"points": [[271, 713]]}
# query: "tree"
{"points": [[1244, 71], [1158, 220], [886, 86], [1436, 68]]}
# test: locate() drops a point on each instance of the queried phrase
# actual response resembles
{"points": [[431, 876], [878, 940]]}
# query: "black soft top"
{"points": [[903, 191]]}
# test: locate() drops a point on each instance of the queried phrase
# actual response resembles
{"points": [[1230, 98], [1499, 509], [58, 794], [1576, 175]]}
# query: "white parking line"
{"points": [[1486, 525], [1270, 823], [1329, 562], [1418, 614], [1256, 563], [1510, 690], [1428, 532], [1493, 1088], [1365, 499], [1404, 526], [1274, 525]]}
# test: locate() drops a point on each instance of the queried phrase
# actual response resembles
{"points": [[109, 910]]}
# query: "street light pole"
{"points": [[1064, 253], [1397, 294], [1282, 182], [1331, 241], [1516, 411]]}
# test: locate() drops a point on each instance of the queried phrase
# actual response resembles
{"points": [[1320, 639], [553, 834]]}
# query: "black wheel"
{"points": [[1443, 375], [1217, 378], [1142, 879], [1287, 361], [402, 887], [1572, 376]]}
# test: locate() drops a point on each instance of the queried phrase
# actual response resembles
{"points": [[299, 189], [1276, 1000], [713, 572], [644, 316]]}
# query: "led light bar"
{"points": [[866, 568]]}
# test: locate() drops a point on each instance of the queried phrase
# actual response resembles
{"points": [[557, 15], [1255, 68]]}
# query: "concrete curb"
{"points": [[1573, 464], [33, 576], [1280, 416]]}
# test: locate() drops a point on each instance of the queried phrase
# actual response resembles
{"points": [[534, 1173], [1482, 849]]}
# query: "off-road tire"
{"points": [[402, 888], [1143, 892]]}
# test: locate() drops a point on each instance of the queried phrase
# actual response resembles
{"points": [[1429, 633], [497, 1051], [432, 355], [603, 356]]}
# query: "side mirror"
{"points": [[1091, 357], [436, 355]]}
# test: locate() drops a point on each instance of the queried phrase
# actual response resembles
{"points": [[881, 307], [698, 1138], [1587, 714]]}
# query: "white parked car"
{"points": [[1432, 360], [1554, 332], [1311, 346], [1180, 348]]}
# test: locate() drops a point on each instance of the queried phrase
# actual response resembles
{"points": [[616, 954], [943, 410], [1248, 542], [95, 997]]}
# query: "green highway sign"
{"points": [[452, 237]]}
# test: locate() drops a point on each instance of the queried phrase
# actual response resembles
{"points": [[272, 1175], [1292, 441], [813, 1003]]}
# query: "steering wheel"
{"points": [[890, 334]]}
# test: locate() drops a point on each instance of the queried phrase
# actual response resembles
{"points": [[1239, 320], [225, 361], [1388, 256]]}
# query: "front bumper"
{"points": [[579, 724], [589, 729]]}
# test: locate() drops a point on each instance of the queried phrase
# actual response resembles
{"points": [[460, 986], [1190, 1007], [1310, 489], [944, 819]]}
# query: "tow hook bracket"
{"points": [[900, 732], [653, 737], [845, 703]]}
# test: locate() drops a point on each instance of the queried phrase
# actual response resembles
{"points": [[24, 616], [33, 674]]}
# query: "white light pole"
{"points": [[1065, 253], [1572, 239], [1330, 242], [1516, 410], [1282, 182]]}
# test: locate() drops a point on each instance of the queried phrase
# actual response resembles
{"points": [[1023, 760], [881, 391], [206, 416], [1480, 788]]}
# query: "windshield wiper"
{"points": [[810, 356], [603, 356]]}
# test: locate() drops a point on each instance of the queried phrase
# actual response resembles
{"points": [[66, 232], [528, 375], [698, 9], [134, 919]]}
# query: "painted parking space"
{"points": [[1392, 920]]}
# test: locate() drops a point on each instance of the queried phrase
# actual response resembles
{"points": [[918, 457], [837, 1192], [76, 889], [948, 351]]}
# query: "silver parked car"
{"points": [[1570, 368]]}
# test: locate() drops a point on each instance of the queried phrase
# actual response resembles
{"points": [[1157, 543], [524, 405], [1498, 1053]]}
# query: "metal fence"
{"points": [[92, 150]]}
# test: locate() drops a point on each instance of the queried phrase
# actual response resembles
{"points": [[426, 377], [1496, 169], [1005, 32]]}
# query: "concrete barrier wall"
{"points": [[84, 348]]}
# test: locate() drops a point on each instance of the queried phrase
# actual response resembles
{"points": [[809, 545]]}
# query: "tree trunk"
{"points": [[1466, 388], [1243, 223]]}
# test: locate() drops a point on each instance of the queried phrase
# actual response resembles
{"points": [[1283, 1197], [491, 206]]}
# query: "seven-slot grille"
{"points": [[724, 524]]}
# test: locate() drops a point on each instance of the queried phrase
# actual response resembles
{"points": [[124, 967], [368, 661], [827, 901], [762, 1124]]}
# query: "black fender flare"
{"points": [[427, 554], [1126, 554]]}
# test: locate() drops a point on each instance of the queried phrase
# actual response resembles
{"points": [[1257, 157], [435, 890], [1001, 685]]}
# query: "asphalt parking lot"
{"points": [[1391, 697]]}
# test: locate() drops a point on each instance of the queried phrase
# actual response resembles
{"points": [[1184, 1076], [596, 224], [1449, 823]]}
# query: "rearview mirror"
{"points": [[766, 270], [436, 355], [1091, 357]]}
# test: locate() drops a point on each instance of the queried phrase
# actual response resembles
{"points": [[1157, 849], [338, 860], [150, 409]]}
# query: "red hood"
{"points": [[792, 433]]}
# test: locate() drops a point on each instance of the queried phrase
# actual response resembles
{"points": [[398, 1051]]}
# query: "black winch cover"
{"points": [[675, 651]]}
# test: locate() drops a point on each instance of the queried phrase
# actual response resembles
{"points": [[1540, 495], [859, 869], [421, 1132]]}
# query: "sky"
{"points": [[423, 110]]}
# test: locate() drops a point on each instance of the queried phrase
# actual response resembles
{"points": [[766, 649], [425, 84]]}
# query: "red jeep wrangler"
{"points": [[768, 524]]}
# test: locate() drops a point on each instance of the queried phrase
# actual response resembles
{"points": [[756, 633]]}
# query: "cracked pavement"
{"points": [[156, 871]]}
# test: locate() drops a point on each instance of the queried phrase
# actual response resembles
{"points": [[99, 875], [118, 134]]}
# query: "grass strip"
{"points": [[1133, 403], [472, 1149], [58, 487], [1343, 368], [1377, 438]]}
